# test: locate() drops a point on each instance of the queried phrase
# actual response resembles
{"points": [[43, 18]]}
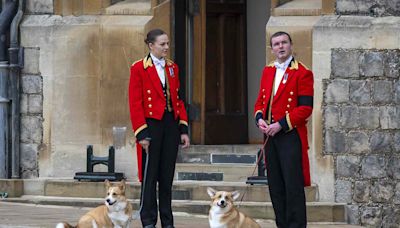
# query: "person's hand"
{"points": [[262, 125], [273, 129], [185, 141], [145, 144]]}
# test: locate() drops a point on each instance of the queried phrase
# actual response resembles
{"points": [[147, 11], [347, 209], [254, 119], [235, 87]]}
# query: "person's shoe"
{"points": [[150, 226]]}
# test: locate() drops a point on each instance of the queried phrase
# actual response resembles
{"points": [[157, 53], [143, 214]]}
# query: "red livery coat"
{"points": [[291, 105], [147, 100]]}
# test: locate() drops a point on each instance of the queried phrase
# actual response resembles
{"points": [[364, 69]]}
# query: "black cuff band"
{"points": [[258, 116], [183, 129]]}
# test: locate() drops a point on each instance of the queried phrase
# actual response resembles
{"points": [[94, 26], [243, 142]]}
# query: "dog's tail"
{"points": [[64, 225]]}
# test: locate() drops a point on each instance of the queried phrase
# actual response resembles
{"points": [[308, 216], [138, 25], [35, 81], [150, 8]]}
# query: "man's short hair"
{"points": [[280, 33]]}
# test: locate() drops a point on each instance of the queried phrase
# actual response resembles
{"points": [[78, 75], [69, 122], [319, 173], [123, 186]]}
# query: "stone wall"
{"points": [[31, 113], [376, 8], [361, 111]]}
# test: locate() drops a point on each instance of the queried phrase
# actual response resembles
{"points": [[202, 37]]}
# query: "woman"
{"points": [[159, 120]]}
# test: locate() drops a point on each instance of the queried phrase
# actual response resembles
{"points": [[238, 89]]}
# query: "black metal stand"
{"points": [[92, 160], [261, 178]]}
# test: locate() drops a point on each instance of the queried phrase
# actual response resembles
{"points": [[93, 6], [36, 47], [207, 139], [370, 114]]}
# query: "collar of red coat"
{"points": [[148, 62], [294, 64]]}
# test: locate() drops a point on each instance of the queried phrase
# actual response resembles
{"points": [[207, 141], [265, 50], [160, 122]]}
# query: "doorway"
{"points": [[215, 54], [226, 78]]}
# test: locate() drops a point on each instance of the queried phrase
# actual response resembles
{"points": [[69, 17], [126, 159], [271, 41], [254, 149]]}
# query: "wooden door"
{"points": [[225, 73]]}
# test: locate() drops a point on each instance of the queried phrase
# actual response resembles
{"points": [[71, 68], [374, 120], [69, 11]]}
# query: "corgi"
{"points": [[116, 211], [224, 214]]}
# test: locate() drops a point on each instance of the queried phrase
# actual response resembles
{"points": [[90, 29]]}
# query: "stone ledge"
{"points": [[14, 187]]}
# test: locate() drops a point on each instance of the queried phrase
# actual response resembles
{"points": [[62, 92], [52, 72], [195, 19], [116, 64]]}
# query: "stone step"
{"points": [[219, 154], [213, 172], [182, 190], [299, 8], [316, 211], [130, 7]]}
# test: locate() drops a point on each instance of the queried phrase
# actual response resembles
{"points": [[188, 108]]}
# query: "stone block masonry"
{"points": [[376, 8], [31, 113], [361, 112]]}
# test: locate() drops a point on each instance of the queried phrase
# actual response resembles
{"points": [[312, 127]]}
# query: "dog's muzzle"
{"points": [[109, 202], [221, 204]]}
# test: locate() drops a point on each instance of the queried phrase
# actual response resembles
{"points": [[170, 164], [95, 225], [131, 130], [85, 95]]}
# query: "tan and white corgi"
{"points": [[224, 214], [116, 211]]}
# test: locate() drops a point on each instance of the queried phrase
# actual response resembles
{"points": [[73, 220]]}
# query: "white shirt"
{"points": [[280, 71], [160, 66]]}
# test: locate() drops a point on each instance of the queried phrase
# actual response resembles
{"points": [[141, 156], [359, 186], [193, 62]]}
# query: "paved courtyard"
{"points": [[31, 215]]}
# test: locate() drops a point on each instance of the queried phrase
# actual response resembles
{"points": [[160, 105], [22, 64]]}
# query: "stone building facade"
{"points": [[31, 114], [355, 147], [362, 132], [361, 107]]}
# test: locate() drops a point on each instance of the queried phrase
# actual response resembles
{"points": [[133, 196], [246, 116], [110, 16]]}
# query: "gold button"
{"points": [[263, 109], [263, 102], [177, 89], [291, 92], [177, 104], [290, 99], [150, 113], [263, 90], [177, 97], [286, 112], [150, 105], [149, 98], [148, 91], [177, 112], [288, 106], [263, 96]]}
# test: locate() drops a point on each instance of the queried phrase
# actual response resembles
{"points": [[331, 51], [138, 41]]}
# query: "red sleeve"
{"points": [[183, 118], [136, 101], [259, 106], [299, 114]]}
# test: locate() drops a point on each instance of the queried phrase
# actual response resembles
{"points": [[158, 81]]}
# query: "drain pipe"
{"points": [[4, 104], [6, 15], [16, 64]]}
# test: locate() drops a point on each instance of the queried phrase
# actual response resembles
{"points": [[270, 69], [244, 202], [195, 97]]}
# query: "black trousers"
{"points": [[285, 179], [162, 154]]}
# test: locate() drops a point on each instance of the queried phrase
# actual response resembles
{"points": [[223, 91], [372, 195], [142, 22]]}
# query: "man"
{"points": [[284, 103]]}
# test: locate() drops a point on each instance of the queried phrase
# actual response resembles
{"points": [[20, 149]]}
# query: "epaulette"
{"points": [[136, 61], [147, 62], [304, 65], [169, 62]]}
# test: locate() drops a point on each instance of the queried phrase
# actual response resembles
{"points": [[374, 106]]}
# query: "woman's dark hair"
{"points": [[280, 33], [152, 35]]}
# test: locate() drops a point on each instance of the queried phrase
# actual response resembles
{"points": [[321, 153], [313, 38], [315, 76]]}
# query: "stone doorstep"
{"points": [[222, 149], [130, 7], [219, 154], [213, 172], [316, 211], [182, 190], [217, 158], [299, 8]]}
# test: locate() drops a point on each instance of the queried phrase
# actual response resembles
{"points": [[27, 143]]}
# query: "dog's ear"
{"points": [[235, 195], [211, 192], [107, 182], [122, 185]]}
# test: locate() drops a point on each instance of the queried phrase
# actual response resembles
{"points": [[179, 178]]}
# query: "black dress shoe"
{"points": [[150, 226]]}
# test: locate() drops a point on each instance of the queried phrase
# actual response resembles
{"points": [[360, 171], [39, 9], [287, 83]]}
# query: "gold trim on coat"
{"points": [[141, 128]]}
